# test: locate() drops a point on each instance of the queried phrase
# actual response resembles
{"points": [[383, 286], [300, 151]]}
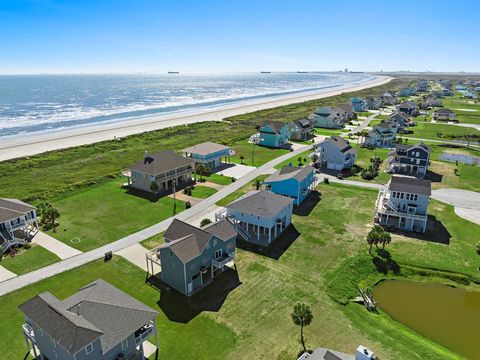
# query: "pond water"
{"points": [[449, 316], [461, 158]]}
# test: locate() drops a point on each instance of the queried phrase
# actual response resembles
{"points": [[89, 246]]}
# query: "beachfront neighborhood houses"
{"points": [[192, 257], [259, 216], [362, 353], [301, 129], [383, 134], [273, 134], [294, 182], [358, 104], [444, 115], [407, 91], [99, 322], [408, 108], [209, 154], [329, 117], [18, 223], [167, 169], [389, 99], [409, 159], [335, 153], [403, 204], [400, 119]]}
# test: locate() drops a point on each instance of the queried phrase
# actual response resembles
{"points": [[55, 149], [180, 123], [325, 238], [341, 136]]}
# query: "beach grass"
{"points": [[99, 215], [28, 259]]}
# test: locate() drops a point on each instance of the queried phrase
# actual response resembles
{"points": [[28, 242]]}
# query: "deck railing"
{"points": [[144, 332], [224, 260]]}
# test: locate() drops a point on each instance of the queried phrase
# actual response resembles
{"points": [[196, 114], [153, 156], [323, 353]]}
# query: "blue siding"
{"points": [[293, 188]]}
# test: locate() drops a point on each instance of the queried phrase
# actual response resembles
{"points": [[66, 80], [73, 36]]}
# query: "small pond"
{"points": [[461, 158], [447, 315]]}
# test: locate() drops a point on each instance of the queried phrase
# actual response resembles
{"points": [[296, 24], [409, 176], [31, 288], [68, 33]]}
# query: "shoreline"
{"points": [[32, 144]]}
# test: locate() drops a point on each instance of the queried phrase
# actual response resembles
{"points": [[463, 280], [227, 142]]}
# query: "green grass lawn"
{"points": [[374, 122], [102, 214], [460, 105], [363, 160], [218, 179], [432, 131], [27, 260], [329, 132], [294, 160], [262, 154], [256, 315], [202, 192], [237, 193]]}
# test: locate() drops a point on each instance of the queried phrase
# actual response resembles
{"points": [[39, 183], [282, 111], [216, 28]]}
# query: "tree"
{"points": [[256, 184], [205, 222], [385, 239], [373, 237], [154, 187], [202, 170], [48, 215], [302, 316], [241, 159], [314, 158], [299, 161]]}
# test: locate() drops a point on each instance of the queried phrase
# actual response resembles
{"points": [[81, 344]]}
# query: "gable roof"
{"points": [[444, 111], [408, 104], [304, 123], [290, 172], [276, 126], [340, 143], [98, 310], [205, 148], [260, 203], [13, 208], [410, 184], [160, 162]]}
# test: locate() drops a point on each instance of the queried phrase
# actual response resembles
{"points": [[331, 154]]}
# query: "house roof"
{"points": [[160, 162], [327, 354], [410, 184], [397, 115], [188, 241], [342, 144], [345, 107], [290, 172], [98, 310], [444, 111], [205, 148], [326, 110], [13, 208], [260, 203], [408, 104], [304, 123], [406, 147], [277, 126]]}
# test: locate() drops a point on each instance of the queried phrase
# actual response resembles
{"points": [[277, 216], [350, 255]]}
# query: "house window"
{"points": [[218, 254], [88, 349], [125, 344]]}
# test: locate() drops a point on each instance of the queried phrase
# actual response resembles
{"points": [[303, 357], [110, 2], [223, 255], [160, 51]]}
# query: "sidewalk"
{"points": [[63, 251], [6, 274]]}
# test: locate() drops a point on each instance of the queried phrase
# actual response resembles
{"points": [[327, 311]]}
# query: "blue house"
{"points": [[408, 91], [294, 182], [209, 153], [358, 104], [274, 134], [192, 257]]}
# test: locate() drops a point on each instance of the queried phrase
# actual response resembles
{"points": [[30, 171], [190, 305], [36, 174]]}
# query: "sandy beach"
{"points": [[31, 144]]}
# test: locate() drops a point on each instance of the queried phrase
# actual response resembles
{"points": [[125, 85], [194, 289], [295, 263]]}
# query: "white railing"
{"points": [[144, 332], [383, 201], [223, 261], [28, 331]]}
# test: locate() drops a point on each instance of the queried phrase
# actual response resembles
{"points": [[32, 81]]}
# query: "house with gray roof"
{"points": [[301, 129], [192, 257], [274, 134], [362, 353], [209, 153], [408, 108], [329, 117], [403, 204], [383, 134], [292, 181], [335, 153], [401, 120], [166, 168], [409, 159], [18, 223], [259, 216], [444, 115], [389, 99], [99, 322]]}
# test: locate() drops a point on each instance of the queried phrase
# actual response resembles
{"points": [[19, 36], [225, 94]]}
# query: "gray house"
{"points": [[209, 153], [259, 216], [408, 108], [382, 135], [166, 168], [99, 322], [18, 223], [192, 257], [401, 120], [335, 153], [329, 117], [444, 115], [403, 204], [409, 159], [301, 129]]}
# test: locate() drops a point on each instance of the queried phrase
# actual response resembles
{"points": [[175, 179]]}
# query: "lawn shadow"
{"points": [[435, 232], [384, 263], [433, 176], [180, 308], [278, 246], [353, 171], [308, 204], [223, 166], [151, 196]]}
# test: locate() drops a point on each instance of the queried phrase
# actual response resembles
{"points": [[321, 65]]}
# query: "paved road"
{"points": [[459, 143], [364, 124], [86, 257]]}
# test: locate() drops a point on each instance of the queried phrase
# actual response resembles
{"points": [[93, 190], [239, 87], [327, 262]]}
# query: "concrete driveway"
{"points": [[62, 250], [466, 203], [6, 274], [236, 171]]}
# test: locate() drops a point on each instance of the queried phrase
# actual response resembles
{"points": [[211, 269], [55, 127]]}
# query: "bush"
{"points": [[205, 222], [326, 180]]}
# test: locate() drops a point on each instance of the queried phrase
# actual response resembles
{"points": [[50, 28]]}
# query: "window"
{"points": [[88, 348], [124, 344], [218, 254]]}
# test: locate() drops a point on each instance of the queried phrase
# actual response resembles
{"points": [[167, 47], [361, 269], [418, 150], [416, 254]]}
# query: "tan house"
{"points": [[166, 168], [444, 115]]}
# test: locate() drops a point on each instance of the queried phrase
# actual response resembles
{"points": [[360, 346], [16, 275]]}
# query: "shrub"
{"points": [[326, 180], [205, 222]]}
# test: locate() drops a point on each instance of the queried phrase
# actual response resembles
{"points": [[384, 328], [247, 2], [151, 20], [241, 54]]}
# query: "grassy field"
{"points": [[27, 260], [243, 190], [249, 320], [262, 154], [460, 106], [329, 132], [202, 192], [105, 213], [294, 160], [218, 179], [363, 160], [440, 131]]}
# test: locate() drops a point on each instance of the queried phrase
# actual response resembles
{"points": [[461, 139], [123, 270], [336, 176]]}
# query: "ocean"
{"points": [[38, 103]]}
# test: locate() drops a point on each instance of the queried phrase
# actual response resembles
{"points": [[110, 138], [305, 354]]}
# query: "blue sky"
{"points": [[88, 36]]}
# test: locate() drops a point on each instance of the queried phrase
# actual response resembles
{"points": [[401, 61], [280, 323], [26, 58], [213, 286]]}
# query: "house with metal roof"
{"points": [[444, 115], [99, 322], [209, 153], [259, 216], [273, 134], [192, 257], [292, 181], [383, 134], [329, 117], [335, 153], [409, 159], [403, 204], [18, 223], [166, 168], [301, 129]]}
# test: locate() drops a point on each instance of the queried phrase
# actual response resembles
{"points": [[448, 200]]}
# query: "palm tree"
{"points": [[241, 159], [385, 239], [302, 316], [201, 169], [299, 161], [256, 184], [374, 236]]}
